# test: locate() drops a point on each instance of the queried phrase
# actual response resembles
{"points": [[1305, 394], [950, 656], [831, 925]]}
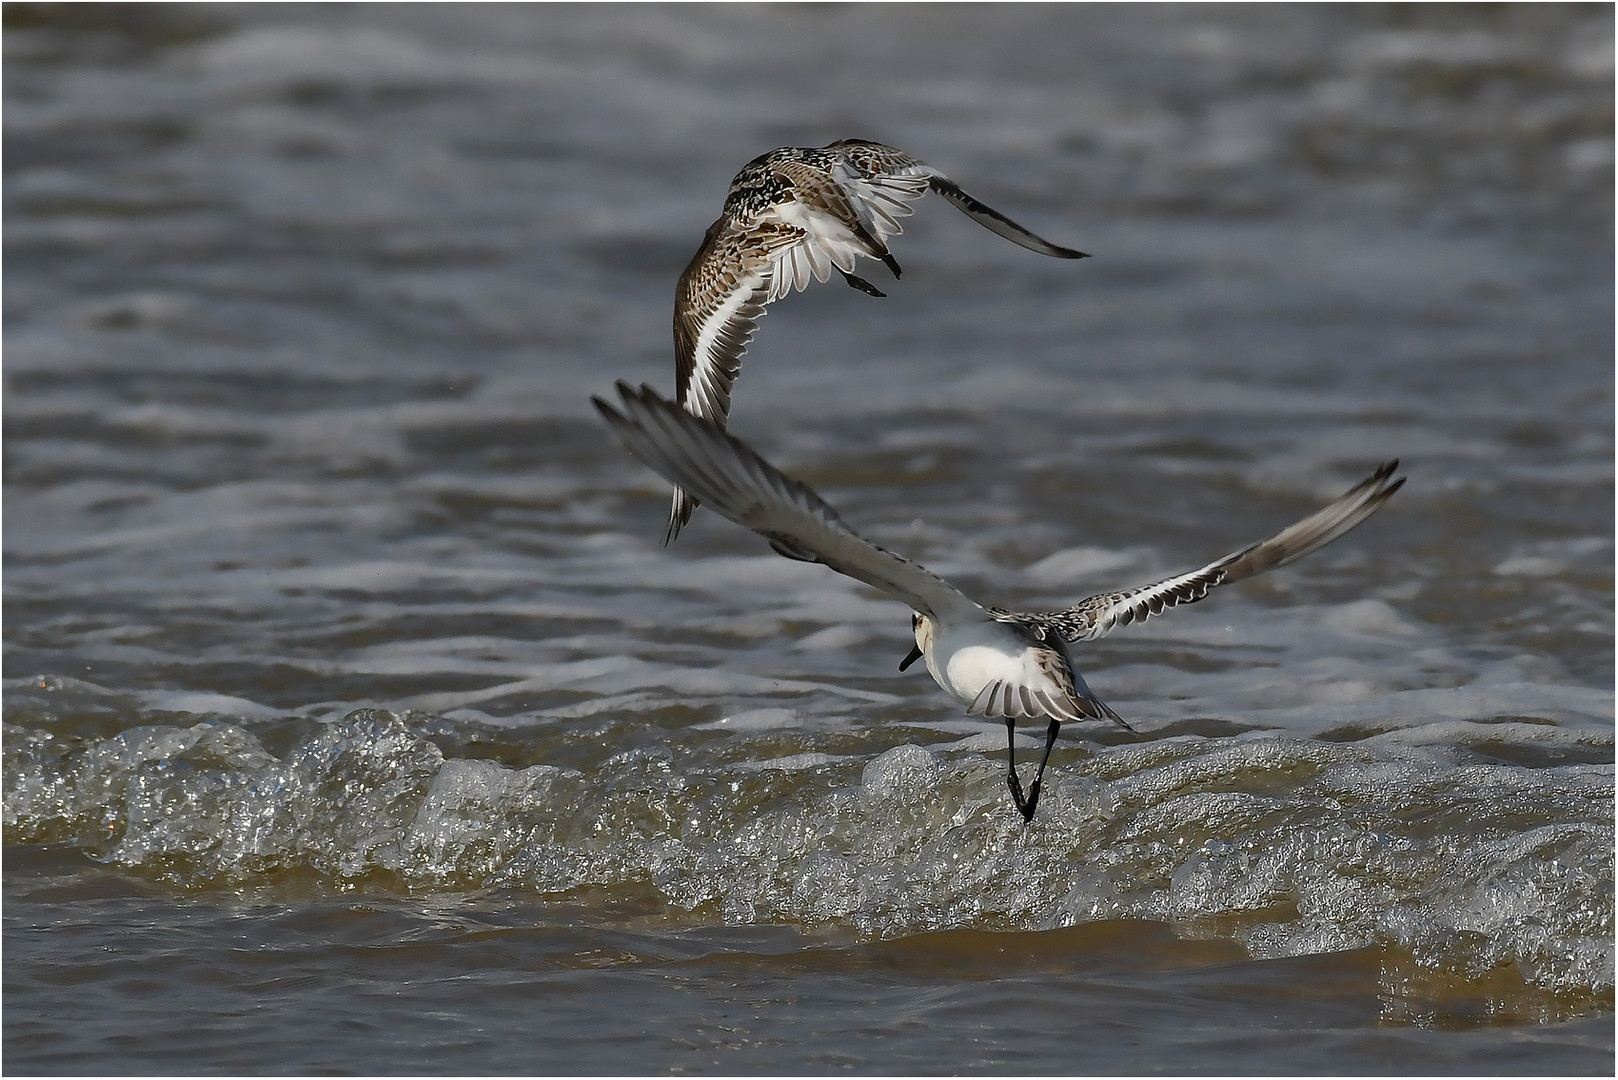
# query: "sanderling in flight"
{"points": [[793, 214], [1000, 664]]}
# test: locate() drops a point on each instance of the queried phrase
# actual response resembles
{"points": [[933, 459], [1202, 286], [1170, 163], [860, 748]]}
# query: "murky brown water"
{"points": [[356, 722]]}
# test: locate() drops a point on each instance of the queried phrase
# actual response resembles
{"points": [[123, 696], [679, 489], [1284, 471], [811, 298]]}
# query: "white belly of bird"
{"points": [[964, 668]]}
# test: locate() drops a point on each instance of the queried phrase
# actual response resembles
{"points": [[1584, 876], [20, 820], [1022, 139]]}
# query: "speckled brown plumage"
{"points": [[791, 216]]}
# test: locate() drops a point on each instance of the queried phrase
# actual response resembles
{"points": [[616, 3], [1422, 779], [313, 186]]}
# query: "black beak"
{"points": [[915, 654]]}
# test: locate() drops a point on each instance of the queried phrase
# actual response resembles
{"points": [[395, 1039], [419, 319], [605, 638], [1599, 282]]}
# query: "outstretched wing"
{"points": [[998, 223], [729, 476], [882, 179], [880, 183], [1098, 615], [717, 305]]}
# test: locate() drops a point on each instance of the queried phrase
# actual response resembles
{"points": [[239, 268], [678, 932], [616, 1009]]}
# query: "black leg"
{"points": [[860, 283], [1024, 807], [1033, 789]]}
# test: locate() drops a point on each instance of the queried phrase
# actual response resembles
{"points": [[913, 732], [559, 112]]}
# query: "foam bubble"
{"points": [[1289, 845]]}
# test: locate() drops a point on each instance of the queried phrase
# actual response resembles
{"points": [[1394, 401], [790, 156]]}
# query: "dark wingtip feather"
{"points": [[679, 515], [861, 284], [611, 415], [684, 504], [998, 223]]}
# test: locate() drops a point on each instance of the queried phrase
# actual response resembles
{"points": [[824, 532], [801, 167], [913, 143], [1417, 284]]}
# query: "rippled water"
{"points": [[357, 722]]}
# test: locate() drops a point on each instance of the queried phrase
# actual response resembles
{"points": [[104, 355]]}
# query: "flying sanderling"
{"points": [[793, 214], [1001, 664]]}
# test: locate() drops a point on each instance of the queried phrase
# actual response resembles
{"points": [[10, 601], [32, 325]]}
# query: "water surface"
{"points": [[357, 722]]}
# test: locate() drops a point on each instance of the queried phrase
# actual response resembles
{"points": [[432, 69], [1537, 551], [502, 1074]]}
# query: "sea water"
{"points": [[356, 721]]}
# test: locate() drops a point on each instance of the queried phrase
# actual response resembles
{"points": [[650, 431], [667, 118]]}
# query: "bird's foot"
{"points": [[1026, 804]]}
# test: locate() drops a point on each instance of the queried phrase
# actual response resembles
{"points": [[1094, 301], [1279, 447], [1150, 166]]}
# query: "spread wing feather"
{"points": [[728, 475], [834, 227], [1100, 614], [996, 222], [885, 175], [718, 302]]}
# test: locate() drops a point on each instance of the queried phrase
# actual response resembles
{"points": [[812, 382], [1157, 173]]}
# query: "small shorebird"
{"points": [[1000, 664], [792, 214]]}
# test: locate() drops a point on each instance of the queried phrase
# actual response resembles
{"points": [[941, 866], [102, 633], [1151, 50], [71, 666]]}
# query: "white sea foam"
{"points": [[1306, 845]]}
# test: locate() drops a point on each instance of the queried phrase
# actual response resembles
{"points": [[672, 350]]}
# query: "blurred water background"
{"points": [[356, 721]]}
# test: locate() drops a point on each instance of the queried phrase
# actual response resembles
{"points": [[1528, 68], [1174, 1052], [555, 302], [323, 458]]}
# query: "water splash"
{"points": [[1288, 846]]}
